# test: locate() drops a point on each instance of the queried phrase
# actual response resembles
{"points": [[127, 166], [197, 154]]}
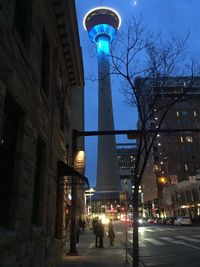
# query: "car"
{"points": [[150, 220], [170, 220], [183, 221]]}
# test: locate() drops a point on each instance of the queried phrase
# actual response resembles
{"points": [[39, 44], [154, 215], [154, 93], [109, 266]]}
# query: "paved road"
{"points": [[165, 245]]}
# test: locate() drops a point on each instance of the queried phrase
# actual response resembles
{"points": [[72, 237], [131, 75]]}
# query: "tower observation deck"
{"points": [[102, 24]]}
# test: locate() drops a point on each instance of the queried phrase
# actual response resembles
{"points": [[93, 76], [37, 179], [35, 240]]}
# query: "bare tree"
{"points": [[148, 67]]}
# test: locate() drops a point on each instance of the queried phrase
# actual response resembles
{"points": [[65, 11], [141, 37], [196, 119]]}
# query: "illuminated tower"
{"points": [[102, 24]]}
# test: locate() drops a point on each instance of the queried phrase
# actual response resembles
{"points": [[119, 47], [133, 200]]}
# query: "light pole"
{"points": [[79, 165], [170, 184], [91, 190], [126, 213]]}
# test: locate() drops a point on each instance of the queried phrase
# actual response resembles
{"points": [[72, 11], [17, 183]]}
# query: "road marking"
{"points": [[140, 243], [154, 241], [191, 246], [169, 239], [119, 233], [196, 235], [188, 238], [91, 245]]}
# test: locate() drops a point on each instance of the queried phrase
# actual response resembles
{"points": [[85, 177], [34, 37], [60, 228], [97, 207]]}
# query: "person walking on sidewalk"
{"points": [[111, 234], [95, 223], [100, 233]]}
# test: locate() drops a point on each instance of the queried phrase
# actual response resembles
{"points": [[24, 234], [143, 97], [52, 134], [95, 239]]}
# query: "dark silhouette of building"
{"points": [[41, 101]]}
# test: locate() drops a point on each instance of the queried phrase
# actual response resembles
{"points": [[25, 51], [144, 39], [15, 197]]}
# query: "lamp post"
{"points": [[126, 213], [170, 183], [91, 190], [79, 165]]}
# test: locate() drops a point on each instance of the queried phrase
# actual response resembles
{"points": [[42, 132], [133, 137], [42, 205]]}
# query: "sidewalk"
{"points": [[90, 256]]}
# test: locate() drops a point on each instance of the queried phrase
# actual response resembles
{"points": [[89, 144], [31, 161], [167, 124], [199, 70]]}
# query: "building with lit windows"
{"points": [[174, 157]]}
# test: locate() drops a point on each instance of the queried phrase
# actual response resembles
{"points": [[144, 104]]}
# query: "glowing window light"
{"points": [[103, 45], [102, 30]]}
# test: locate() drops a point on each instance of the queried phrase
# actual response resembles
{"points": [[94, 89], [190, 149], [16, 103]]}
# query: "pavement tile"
{"points": [[90, 256]]}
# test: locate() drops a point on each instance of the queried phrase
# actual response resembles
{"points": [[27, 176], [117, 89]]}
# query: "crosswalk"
{"points": [[177, 240], [192, 241]]}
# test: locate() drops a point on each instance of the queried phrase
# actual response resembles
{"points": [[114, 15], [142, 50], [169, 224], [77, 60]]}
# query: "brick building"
{"points": [[41, 101]]}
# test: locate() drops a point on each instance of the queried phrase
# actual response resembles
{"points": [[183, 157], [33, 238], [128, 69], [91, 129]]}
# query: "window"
{"points": [[8, 141], [155, 148], [186, 167], [189, 139], [185, 122], [184, 113], [156, 158], [38, 184], [188, 147], [157, 168], [45, 64], [22, 20]]}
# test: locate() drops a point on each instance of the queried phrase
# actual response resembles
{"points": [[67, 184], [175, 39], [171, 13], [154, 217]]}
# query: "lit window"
{"points": [[157, 168], [189, 139], [195, 114], [186, 167], [181, 139], [177, 113]]}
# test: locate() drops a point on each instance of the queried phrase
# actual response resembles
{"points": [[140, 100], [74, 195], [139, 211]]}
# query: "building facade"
{"points": [[174, 157], [41, 101]]}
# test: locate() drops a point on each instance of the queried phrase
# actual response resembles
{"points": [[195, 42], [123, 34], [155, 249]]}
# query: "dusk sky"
{"points": [[168, 16]]}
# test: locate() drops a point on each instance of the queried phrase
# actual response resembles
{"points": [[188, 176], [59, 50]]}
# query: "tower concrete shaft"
{"points": [[107, 166]]}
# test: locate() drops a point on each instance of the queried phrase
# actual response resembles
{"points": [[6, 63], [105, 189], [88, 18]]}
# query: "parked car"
{"points": [[171, 220], [183, 221], [150, 220]]}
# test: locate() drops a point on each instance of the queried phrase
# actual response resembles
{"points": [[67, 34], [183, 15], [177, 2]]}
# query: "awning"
{"points": [[66, 170]]}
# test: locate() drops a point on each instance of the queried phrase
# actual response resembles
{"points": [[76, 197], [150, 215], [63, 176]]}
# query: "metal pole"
{"points": [[126, 213], [73, 233]]}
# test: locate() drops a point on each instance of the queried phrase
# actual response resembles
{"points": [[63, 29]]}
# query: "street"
{"points": [[165, 245]]}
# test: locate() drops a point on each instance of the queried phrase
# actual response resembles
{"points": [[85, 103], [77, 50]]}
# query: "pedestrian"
{"points": [[78, 232], [82, 225], [100, 233], [111, 234], [95, 223]]}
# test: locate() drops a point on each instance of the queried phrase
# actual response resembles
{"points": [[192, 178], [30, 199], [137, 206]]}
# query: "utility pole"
{"points": [[126, 216], [73, 232]]}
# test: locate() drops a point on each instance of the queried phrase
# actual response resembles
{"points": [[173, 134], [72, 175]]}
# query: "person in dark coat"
{"points": [[100, 233], [111, 234], [95, 223]]}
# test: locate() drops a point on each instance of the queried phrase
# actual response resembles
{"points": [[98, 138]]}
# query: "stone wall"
{"points": [[22, 242]]}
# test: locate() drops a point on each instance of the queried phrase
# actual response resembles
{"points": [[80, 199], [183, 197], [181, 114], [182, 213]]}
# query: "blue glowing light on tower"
{"points": [[102, 24]]}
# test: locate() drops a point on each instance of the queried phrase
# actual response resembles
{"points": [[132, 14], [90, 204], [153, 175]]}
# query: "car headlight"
{"points": [[140, 221]]}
